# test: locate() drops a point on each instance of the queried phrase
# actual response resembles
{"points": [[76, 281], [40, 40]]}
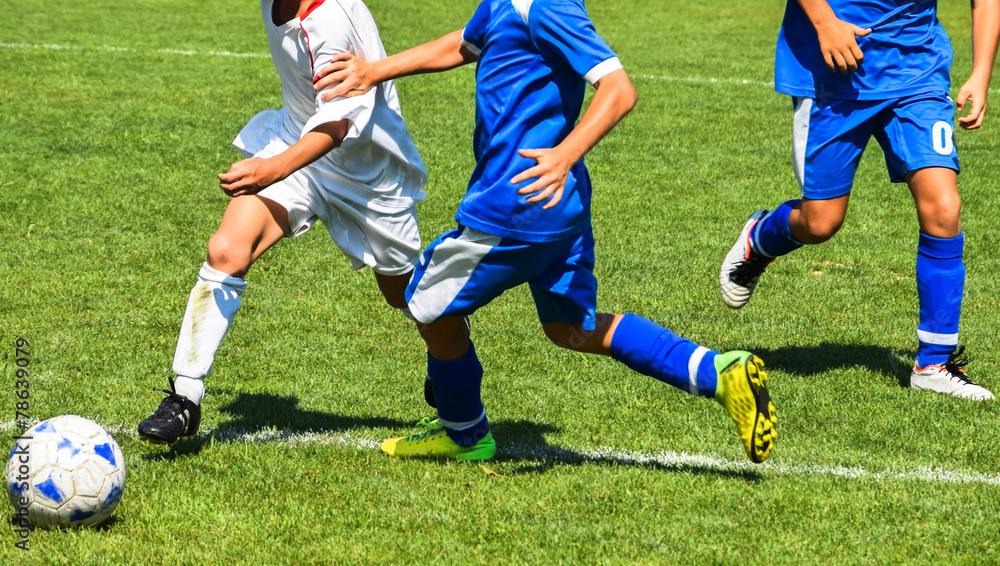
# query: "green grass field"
{"points": [[115, 118]]}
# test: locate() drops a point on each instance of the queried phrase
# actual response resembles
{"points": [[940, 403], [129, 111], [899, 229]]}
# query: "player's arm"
{"points": [[356, 76], [836, 37], [985, 36], [250, 176], [615, 97]]}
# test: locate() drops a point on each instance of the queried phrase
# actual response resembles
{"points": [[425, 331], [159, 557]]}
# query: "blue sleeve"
{"points": [[562, 30], [474, 34]]}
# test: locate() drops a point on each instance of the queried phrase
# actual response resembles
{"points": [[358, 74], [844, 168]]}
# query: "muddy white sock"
{"points": [[213, 303]]}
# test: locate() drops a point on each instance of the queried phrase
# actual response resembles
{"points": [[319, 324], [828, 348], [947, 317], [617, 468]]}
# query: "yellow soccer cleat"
{"points": [[741, 390], [435, 443]]}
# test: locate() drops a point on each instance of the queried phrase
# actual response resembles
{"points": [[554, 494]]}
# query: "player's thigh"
{"points": [[916, 132], [828, 139], [252, 224], [297, 195], [464, 269], [393, 288]]}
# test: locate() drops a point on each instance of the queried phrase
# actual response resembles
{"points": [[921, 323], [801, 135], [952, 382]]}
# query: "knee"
{"points": [[555, 334], [818, 230], [941, 217], [227, 255], [446, 339]]}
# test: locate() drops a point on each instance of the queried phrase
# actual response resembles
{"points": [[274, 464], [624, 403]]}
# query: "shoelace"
{"points": [[955, 364], [749, 269], [165, 411], [428, 424], [423, 436], [168, 411]]}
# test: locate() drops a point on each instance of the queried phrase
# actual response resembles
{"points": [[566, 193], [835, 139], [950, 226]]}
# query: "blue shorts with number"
{"points": [[465, 269], [829, 137]]}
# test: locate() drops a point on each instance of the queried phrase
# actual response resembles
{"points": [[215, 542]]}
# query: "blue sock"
{"points": [[940, 285], [457, 386], [652, 350], [772, 237]]}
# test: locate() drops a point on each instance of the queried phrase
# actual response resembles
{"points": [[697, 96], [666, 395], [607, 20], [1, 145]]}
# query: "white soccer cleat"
{"points": [[742, 267], [949, 378]]}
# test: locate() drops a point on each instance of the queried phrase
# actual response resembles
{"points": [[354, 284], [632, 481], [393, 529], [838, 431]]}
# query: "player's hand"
{"points": [[838, 44], [346, 74], [550, 174], [248, 177], [974, 90]]}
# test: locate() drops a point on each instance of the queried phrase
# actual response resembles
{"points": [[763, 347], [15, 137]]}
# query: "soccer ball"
{"points": [[65, 472]]}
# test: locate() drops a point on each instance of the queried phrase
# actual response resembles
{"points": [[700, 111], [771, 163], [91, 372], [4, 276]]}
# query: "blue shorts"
{"points": [[829, 137], [465, 269]]}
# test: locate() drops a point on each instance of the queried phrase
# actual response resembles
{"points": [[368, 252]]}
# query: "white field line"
{"points": [[701, 80], [111, 49], [670, 460], [191, 53]]}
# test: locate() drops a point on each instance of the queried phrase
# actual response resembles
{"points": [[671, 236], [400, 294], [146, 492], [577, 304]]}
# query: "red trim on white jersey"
{"points": [[312, 60], [313, 6]]}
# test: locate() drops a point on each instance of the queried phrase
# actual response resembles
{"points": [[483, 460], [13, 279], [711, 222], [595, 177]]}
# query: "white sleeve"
{"points": [[602, 70], [357, 110], [330, 34], [468, 45]]}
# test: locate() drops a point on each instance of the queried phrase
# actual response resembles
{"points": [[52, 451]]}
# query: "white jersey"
{"points": [[377, 164]]}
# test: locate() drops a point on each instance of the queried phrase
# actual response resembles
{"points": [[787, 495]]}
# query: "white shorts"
{"points": [[387, 242]]}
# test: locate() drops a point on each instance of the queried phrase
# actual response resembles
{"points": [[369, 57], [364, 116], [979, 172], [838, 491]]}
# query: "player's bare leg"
{"points": [[816, 221], [393, 288], [939, 206], [446, 338], [250, 226], [940, 285], [574, 337]]}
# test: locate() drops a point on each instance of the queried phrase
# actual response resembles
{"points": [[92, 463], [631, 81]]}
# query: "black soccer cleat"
{"points": [[177, 417]]}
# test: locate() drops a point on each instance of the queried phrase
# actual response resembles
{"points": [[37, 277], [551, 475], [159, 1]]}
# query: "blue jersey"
{"points": [[535, 60], [907, 52]]}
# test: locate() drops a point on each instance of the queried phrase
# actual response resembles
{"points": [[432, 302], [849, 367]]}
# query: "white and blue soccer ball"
{"points": [[65, 472]]}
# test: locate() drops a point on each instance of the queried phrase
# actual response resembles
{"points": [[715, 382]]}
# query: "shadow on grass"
{"points": [[815, 360], [111, 522], [256, 415], [523, 444], [273, 418]]}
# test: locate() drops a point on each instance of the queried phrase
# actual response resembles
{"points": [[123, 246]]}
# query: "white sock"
{"points": [[191, 387], [213, 303]]}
